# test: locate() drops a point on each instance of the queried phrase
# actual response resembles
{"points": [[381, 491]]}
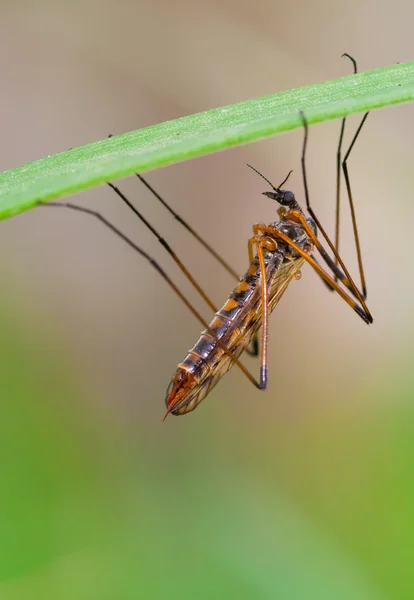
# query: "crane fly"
{"points": [[277, 253]]}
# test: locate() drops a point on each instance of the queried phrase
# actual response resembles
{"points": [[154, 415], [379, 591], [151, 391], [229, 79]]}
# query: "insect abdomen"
{"points": [[234, 324]]}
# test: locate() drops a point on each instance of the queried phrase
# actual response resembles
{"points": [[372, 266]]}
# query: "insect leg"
{"points": [[254, 346], [345, 279], [197, 236], [328, 285], [338, 170], [363, 311], [262, 242], [342, 276], [184, 223], [338, 189], [165, 245], [164, 275], [254, 343], [349, 192], [265, 318], [352, 207]]}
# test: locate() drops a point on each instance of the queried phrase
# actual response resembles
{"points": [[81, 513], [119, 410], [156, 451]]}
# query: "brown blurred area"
{"points": [[74, 72]]}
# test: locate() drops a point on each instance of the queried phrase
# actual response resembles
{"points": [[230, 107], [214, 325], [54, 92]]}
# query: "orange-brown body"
{"points": [[234, 325]]}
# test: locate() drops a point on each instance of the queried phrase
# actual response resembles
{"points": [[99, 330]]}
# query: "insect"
{"points": [[277, 253]]}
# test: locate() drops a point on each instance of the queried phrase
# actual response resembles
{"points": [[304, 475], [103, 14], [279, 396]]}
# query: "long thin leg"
{"points": [[265, 319], [262, 242], [347, 281], [315, 218], [338, 188], [364, 314], [164, 275], [330, 288], [198, 237], [254, 344], [338, 169], [184, 223], [348, 187], [352, 207], [254, 351], [165, 245]]}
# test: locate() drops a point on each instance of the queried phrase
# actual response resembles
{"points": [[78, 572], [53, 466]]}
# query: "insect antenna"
{"points": [[269, 182]]}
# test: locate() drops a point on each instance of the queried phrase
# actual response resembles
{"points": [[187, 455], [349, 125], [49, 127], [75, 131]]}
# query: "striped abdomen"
{"points": [[234, 325]]}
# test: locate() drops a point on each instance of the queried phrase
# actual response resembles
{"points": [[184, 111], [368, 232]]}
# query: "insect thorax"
{"points": [[296, 233]]}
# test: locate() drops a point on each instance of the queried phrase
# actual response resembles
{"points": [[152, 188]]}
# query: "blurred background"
{"points": [[304, 491]]}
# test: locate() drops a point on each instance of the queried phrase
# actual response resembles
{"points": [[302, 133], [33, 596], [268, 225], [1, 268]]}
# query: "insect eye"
{"points": [[288, 198]]}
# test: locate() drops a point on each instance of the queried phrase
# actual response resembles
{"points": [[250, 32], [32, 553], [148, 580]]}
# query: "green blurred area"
{"points": [[91, 509]]}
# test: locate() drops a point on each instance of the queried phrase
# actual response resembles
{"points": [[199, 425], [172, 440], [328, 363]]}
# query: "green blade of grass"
{"points": [[81, 168]]}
